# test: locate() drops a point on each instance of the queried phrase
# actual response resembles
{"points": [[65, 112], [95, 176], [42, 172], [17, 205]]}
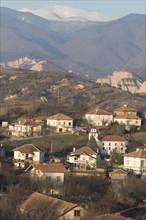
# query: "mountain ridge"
{"points": [[92, 48]]}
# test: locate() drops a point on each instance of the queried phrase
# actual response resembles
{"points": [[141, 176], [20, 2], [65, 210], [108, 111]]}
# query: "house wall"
{"points": [[99, 120], [106, 147], [71, 214], [135, 122], [135, 164], [83, 160], [123, 112], [62, 123], [37, 156], [52, 176]]}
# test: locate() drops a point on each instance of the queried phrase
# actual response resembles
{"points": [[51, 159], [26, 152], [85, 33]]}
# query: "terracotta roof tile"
{"points": [[27, 148], [36, 199], [119, 171], [125, 108], [84, 150], [29, 122], [59, 116], [112, 138], [140, 153], [50, 168], [99, 112]]}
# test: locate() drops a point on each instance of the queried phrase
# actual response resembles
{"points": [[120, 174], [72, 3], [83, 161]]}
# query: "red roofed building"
{"points": [[127, 116], [83, 158], [26, 128], [50, 207], [136, 161], [99, 117], [109, 143], [26, 155], [54, 172], [60, 122]]}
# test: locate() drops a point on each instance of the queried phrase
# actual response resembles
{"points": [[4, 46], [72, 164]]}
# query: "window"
{"points": [[115, 144], [77, 213], [109, 148], [69, 123], [109, 144], [121, 144], [58, 179], [103, 143], [103, 148], [121, 148]]}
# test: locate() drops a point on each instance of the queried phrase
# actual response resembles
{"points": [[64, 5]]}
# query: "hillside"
{"points": [[44, 93]]}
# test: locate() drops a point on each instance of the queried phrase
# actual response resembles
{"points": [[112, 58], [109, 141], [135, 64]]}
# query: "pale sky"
{"points": [[115, 8]]}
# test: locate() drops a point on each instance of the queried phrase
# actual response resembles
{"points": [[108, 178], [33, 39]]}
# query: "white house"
{"points": [[26, 155], [60, 122], [25, 128], [109, 143], [99, 117], [83, 158], [127, 116], [56, 208], [53, 172], [136, 161]]}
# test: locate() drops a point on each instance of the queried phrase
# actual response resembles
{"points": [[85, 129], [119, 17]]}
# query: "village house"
{"points": [[119, 174], [109, 143], [83, 158], [99, 117], [60, 122], [53, 172], [26, 155], [41, 120], [136, 161], [51, 207], [127, 116], [25, 128]]}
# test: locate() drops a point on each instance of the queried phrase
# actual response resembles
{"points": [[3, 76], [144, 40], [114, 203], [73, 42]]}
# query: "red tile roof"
{"points": [[27, 148], [112, 138], [99, 112], [29, 122], [140, 153], [36, 199], [84, 150], [50, 168], [59, 116], [125, 108], [119, 171]]}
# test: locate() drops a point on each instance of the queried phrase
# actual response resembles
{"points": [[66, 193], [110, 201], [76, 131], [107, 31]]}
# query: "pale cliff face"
{"points": [[125, 81], [30, 64]]}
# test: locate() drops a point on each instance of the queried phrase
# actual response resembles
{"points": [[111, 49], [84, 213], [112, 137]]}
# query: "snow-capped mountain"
{"points": [[65, 13]]}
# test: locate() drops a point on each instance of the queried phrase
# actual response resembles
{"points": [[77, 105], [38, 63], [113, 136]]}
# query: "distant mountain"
{"points": [[87, 48], [65, 13]]}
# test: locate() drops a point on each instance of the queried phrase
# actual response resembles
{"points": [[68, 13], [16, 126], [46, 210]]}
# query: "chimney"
{"points": [[74, 149]]}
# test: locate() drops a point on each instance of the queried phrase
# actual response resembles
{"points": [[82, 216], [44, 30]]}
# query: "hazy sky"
{"points": [[115, 8]]}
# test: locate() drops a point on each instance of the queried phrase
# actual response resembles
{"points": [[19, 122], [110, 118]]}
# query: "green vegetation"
{"points": [[59, 142], [92, 143]]}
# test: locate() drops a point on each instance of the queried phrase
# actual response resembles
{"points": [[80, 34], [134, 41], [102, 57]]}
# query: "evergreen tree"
{"points": [[92, 144]]}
